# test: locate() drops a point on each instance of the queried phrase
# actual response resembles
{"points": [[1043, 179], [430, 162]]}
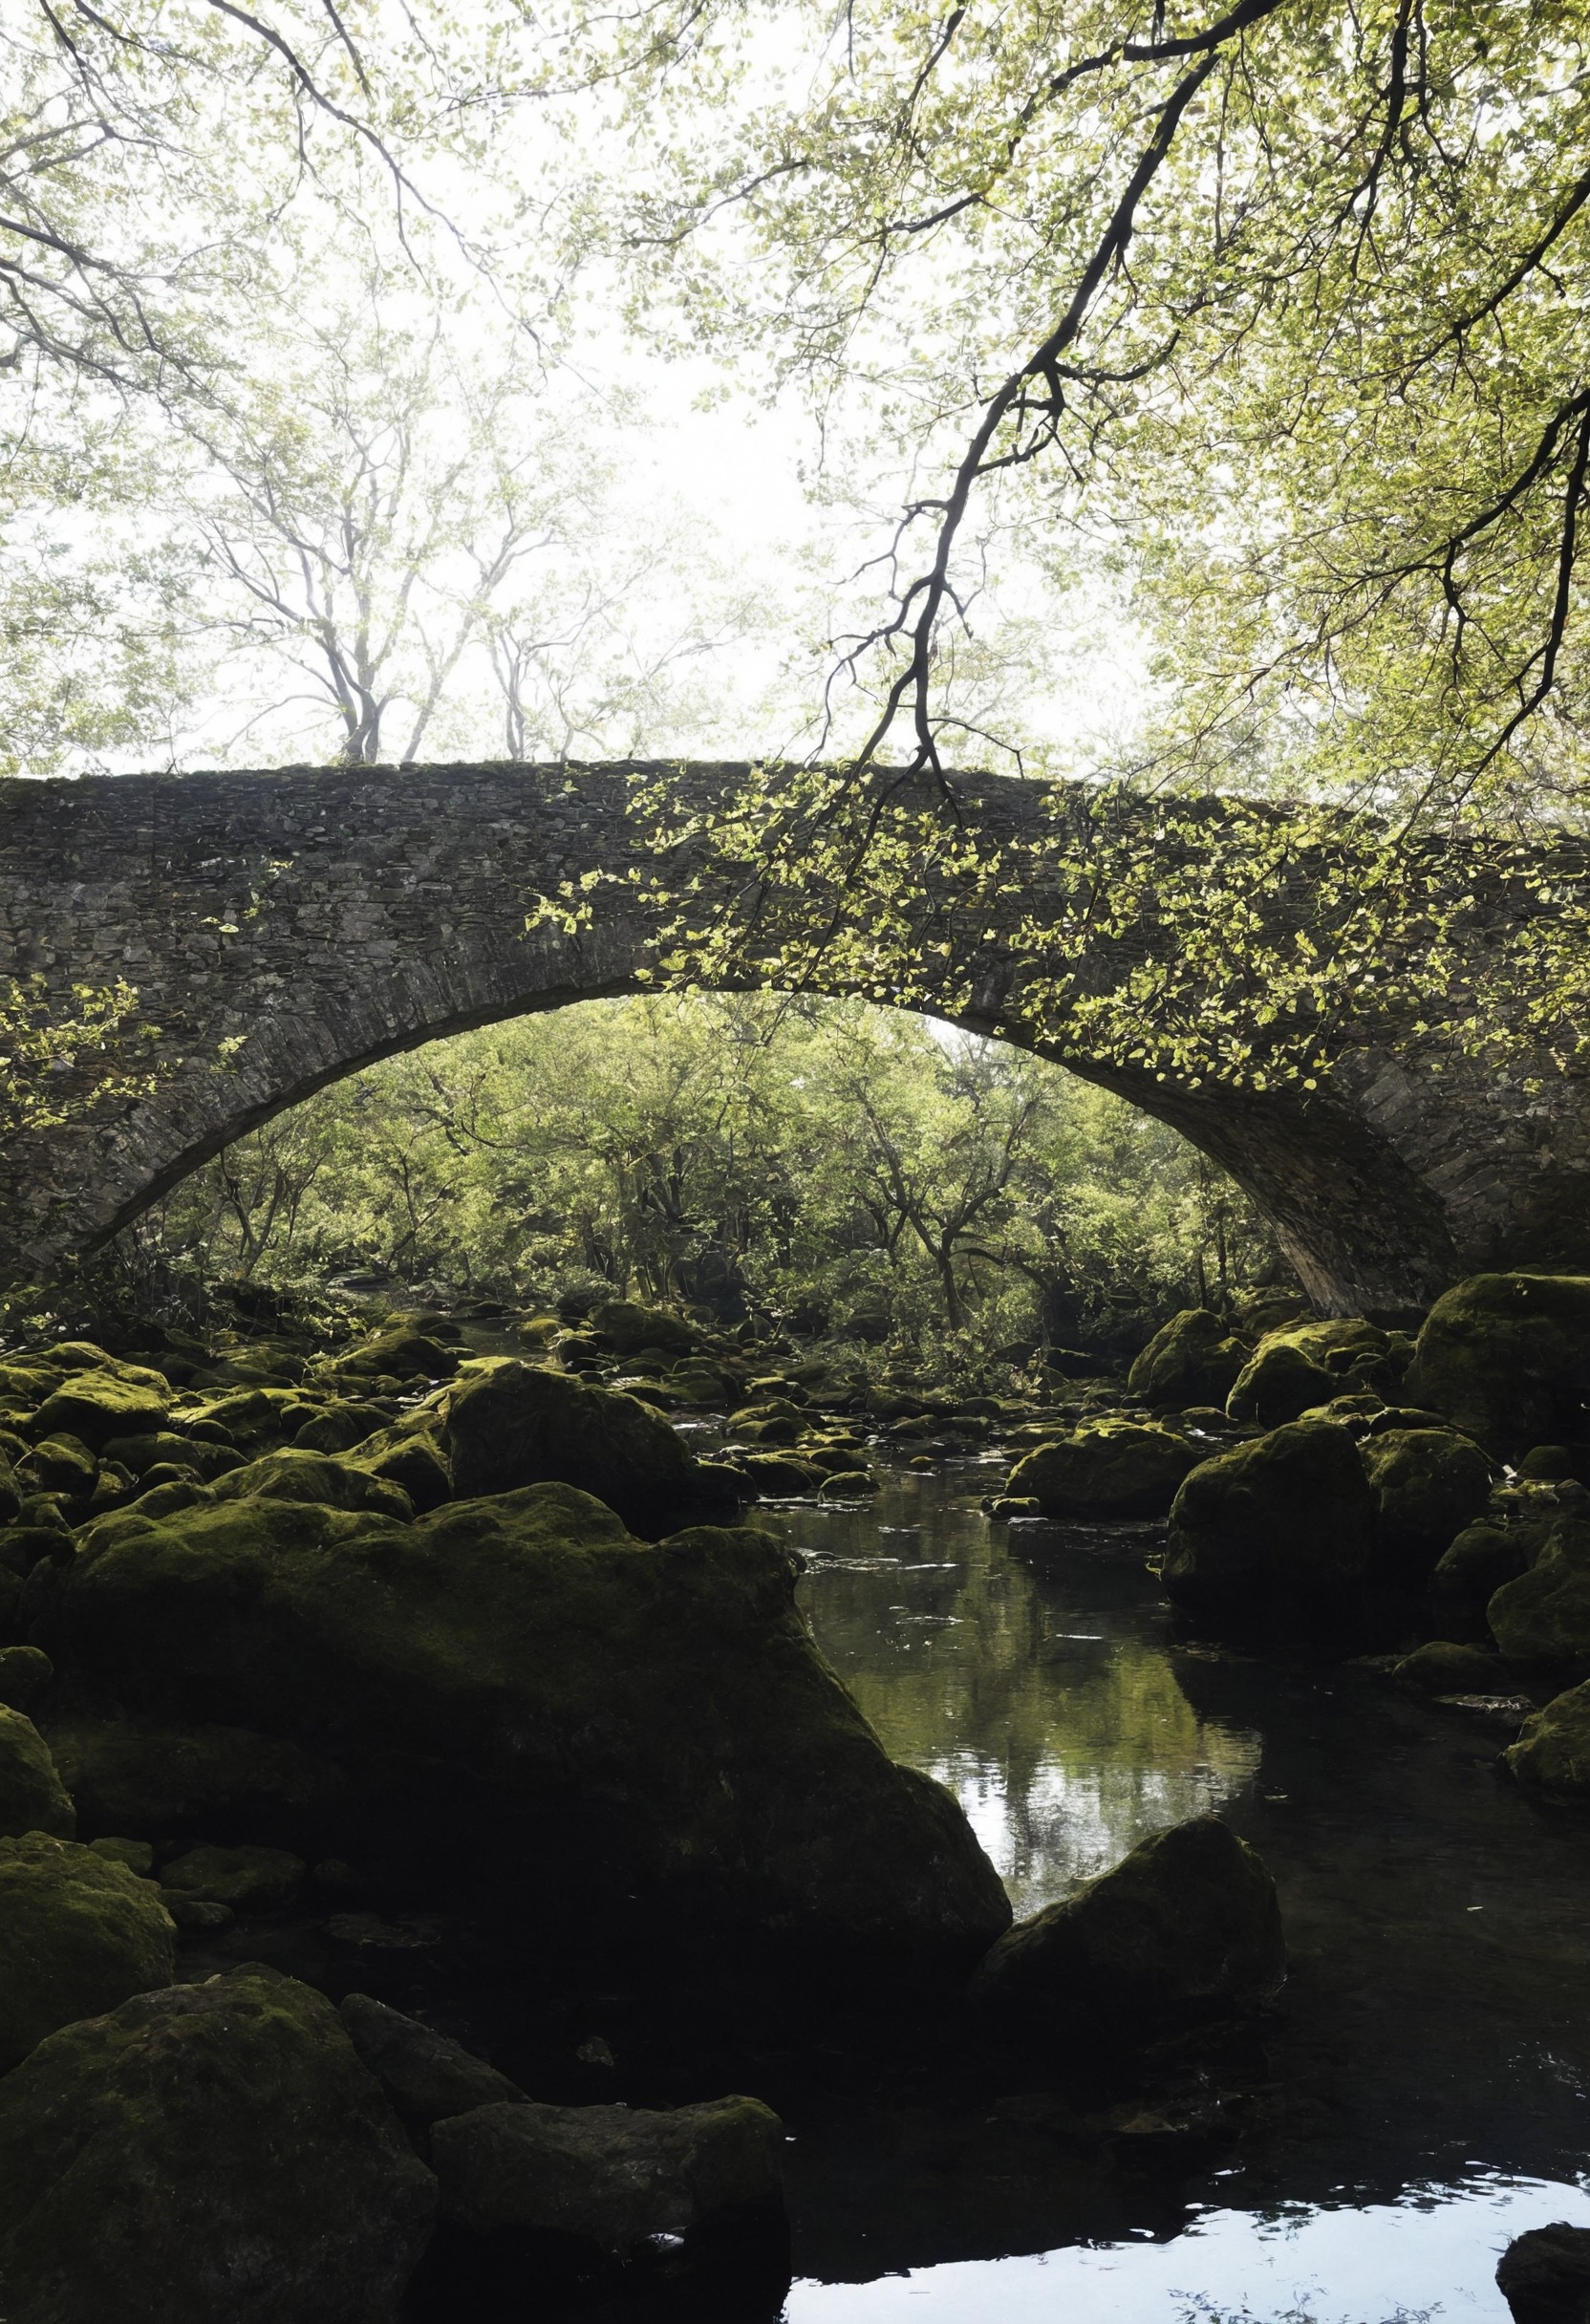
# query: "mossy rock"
{"points": [[1552, 1755], [509, 1425], [58, 1464], [78, 1935], [1193, 1359], [174, 1783], [1186, 1926], [627, 1326], [339, 1426], [1285, 1519], [1306, 1365], [96, 1406], [294, 1475], [780, 1476], [410, 1456], [248, 1878], [426, 2076], [1429, 1484], [25, 1672], [1484, 1555], [138, 1455], [1507, 1357], [610, 1727], [399, 1355], [1111, 1469], [847, 1485], [216, 2152], [33, 1798], [1544, 1615], [1445, 1667]]}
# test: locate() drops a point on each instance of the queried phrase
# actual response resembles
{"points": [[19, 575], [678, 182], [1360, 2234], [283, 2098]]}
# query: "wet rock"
{"points": [[78, 1935], [612, 2176], [1427, 1483], [1544, 2276], [533, 1698], [1507, 1357], [627, 1326], [33, 1798], [1552, 1755], [780, 1475], [25, 1672], [425, 2076], [1282, 1520], [248, 1880], [1194, 1359], [1111, 1469], [294, 1475], [510, 1425], [172, 1783], [1544, 1615], [1444, 1666], [1186, 1926], [238, 2164], [847, 1485]]}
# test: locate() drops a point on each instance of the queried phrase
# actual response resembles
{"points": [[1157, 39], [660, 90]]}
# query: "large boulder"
{"points": [[1544, 2276], [401, 1353], [1185, 1926], [33, 1798], [1427, 1483], [105, 1401], [1544, 1615], [612, 2176], [294, 1475], [1306, 1364], [182, 1783], [1469, 1573], [77, 1935], [1507, 1357], [1193, 1359], [1112, 1469], [1552, 1751], [628, 1326], [1285, 1519], [509, 1425], [212, 2155], [526, 1695], [425, 2076]]}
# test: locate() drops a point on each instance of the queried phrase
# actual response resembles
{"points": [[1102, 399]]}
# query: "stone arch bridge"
{"points": [[286, 928]]}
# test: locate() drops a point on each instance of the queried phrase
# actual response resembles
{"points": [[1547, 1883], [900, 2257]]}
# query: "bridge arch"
{"points": [[286, 928]]}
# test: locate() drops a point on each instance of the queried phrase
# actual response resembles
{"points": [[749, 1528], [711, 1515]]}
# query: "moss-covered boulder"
{"points": [[1552, 1755], [295, 1475], [410, 1456], [1429, 1484], [1484, 1555], [425, 2076], [1446, 1666], [779, 1477], [399, 1354], [77, 1935], [1282, 1520], [248, 1879], [1185, 1926], [612, 2176], [1293, 1371], [628, 1326], [1193, 1359], [1544, 2276], [58, 1464], [339, 1426], [172, 1783], [212, 2155], [33, 1798], [1507, 1357], [1111, 1469], [96, 1406], [509, 1425], [1544, 1615], [25, 1673], [590, 1726]]}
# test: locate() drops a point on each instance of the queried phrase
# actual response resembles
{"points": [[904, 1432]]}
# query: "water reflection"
{"points": [[1027, 1670]]}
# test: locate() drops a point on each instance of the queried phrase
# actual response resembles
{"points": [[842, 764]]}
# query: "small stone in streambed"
{"points": [[25, 1672], [1544, 2276], [847, 1485], [200, 1916], [1442, 1667], [1014, 1505], [426, 2076], [612, 2176], [1186, 1927], [137, 1854], [249, 1879]]}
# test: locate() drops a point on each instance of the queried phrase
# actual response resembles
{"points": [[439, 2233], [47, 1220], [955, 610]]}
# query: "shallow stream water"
{"points": [[1431, 2053]]}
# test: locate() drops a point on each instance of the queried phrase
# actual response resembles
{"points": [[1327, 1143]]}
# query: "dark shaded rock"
{"points": [[847, 1485], [1544, 2276], [425, 2076], [293, 1475], [1544, 1615], [1194, 1359], [401, 1354], [627, 1326], [25, 1672], [1111, 1469], [1549, 1464], [412, 1458], [1306, 1364], [1427, 1483], [339, 1428], [1281, 1521], [172, 1783], [780, 1475], [1553, 1752], [33, 1798], [200, 1916], [136, 1854], [59, 1464], [603, 1726], [1443, 1667], [249, 1879], [510, 1425], [1484, 1555], [606, 2175], [1185, 1926], [236, 2161], [77, 1935], [1507, 1357]]}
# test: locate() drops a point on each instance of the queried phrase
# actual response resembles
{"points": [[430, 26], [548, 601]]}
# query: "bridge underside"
{"points": [[286, 928]]}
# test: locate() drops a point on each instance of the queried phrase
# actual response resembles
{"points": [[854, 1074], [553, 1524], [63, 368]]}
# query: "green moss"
{"points": [[96, 1407], [1444, 1666], [1112, 1469], [213, 2152], [1507, 1357], [294, 1475], [1427, 1483], [33, 1798], [1193, 1359], [78, 1935], [511, 1425], [1553, 1752], [401, 1354], [627, 1326], [1544, 1615], [1285, 1519], [1484, 1555], [1306, 1364]]}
